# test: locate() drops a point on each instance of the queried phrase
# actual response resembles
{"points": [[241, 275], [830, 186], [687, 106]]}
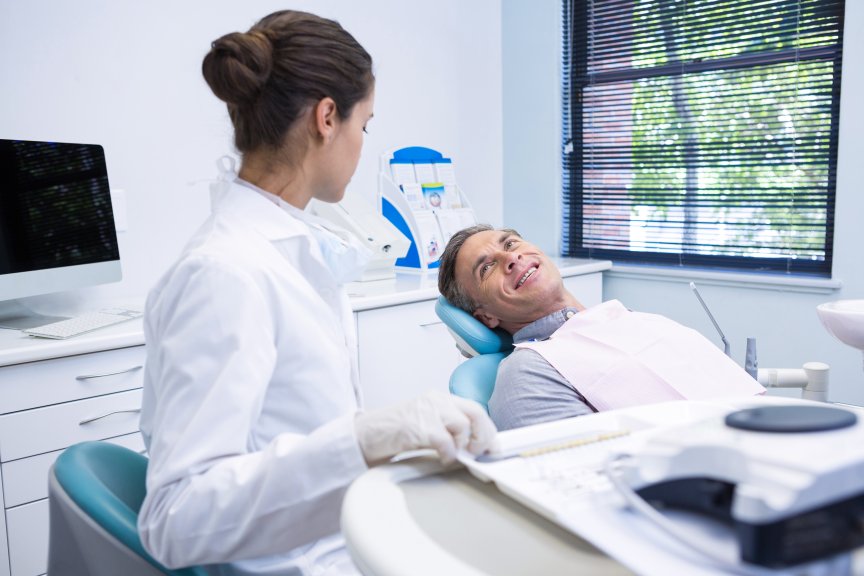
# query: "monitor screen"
{"points": [[56, 223]]}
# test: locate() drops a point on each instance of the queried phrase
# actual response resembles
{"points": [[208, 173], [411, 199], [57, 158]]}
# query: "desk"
{"points": [[416, 517]]}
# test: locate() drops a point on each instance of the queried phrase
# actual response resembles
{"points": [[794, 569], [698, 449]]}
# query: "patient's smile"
{"points": [[528, 274]]}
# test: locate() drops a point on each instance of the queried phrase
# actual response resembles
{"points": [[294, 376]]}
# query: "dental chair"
{"points": [[95, 490], [484, 347], [475, 378]]}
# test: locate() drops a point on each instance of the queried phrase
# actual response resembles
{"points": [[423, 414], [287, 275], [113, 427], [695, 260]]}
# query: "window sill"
{"points": [[785, 283]]}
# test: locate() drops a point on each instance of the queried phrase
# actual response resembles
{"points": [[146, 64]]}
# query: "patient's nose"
{"points": [[511, 258]]}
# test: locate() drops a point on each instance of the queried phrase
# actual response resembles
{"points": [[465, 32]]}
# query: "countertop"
{"points": [[17, 348]]}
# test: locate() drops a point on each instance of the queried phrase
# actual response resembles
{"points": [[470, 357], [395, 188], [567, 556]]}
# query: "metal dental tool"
{"points": [[711, 316]]}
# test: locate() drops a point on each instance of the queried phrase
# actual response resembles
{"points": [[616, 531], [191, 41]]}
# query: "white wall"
{"points": [[126, 74], [532, 120], [784, 323]]}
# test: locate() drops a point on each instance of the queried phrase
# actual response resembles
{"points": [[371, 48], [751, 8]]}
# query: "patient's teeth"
{"points": [[527, 274]]}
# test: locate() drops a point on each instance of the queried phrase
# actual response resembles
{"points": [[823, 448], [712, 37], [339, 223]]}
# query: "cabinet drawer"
{"points": [[28, 538], [34, 384], [26, 480], [54, 427]]}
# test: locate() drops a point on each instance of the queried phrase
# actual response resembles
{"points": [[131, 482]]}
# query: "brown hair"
{"points": [[287, 61], [447, 284]]}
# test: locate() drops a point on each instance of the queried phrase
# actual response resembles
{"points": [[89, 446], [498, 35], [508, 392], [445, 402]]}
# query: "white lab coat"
{"points": [[250, 392]]}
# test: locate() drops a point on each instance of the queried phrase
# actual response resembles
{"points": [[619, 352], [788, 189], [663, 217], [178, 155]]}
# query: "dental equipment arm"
{"points": [[812, 378], [711, 316]]}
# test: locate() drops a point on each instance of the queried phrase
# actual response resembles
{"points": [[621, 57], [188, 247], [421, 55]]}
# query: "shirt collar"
{"points": [[258, 208], [286, 206], [544, 327]]}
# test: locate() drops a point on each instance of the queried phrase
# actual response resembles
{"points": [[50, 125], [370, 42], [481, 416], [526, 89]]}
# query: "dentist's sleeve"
{"points": [[209, 498]]}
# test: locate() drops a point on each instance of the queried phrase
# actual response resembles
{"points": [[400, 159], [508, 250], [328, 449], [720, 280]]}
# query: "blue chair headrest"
{"points": [[472, 336]]}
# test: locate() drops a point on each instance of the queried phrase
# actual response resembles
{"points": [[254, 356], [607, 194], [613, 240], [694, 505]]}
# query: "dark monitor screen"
{"points": [[55, 206]]}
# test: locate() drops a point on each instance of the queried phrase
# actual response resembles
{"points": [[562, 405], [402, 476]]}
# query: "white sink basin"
{"points": [[844, 319]]}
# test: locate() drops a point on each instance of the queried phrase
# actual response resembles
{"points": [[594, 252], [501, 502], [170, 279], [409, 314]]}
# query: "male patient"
{"points": [[570, 360]]}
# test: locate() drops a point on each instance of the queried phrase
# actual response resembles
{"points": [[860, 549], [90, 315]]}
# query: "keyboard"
{"points": [[83, 323]]}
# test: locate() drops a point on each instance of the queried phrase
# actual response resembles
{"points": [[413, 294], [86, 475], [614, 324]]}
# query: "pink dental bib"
{"points": [[617, 358]]}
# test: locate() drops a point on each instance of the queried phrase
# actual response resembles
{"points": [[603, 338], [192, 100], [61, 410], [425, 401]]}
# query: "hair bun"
{"points": [[238, 66]]}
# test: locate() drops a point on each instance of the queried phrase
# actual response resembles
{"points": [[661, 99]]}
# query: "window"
{"points": [[702, 132]]}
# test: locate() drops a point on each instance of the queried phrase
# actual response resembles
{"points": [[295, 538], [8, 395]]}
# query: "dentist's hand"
{"points": [[435, 420]]}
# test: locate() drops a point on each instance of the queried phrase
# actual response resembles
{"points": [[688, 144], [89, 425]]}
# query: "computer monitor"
{"points": [[56, 222]]}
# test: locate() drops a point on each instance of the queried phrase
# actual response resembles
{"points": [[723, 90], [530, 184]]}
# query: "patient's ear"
{"points": [[489, 321]]}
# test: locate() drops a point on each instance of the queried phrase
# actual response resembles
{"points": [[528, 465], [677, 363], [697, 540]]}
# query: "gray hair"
{"points": [[447, 284]]}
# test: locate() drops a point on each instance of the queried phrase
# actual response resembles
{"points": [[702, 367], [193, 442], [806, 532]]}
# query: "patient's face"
{"points": [[512, 280]]}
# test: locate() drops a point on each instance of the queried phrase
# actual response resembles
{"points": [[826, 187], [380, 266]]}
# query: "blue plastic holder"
{"points": [[425, 209]]}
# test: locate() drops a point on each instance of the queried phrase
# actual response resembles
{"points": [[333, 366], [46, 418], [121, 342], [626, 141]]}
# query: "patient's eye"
{"points": [[484, 269]]}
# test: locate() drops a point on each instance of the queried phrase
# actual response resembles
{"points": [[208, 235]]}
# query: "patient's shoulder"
{"points": [[525, 365], [528, 390]]}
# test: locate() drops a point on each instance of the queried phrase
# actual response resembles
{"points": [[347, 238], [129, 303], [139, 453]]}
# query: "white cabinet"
{"points": [[46, 406], [4, 549], [28, 537], [34, 384], [404, 350]]}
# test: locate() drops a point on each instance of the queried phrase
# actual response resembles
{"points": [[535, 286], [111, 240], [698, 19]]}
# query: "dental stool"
{"points": [[95, 490], [483, 346]]}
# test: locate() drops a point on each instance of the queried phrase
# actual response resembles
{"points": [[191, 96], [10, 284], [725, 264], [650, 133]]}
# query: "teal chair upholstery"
{"points": [[475, 378], [95, 490]]}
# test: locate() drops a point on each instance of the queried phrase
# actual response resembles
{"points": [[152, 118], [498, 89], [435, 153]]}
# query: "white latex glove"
{"points": [[434, 420]]}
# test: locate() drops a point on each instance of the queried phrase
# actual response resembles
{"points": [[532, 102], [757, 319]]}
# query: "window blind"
{"points": [[702, 132]]}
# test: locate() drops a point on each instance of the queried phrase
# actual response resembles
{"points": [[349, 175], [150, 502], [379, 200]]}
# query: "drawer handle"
{"points": [[129, 411], [427, 324], [89, 376]]}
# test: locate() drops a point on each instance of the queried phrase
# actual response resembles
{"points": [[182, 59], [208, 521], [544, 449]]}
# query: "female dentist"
{"points": [[251, 399]]}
